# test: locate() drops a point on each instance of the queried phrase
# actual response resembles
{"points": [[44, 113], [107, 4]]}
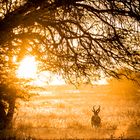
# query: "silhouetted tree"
{"points": [[9, 92], [79, 39]]}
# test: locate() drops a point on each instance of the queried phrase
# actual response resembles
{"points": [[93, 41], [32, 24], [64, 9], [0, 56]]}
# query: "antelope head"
{"points": [[96, 111]]}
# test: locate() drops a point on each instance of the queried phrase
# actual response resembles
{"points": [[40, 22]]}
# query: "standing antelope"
{"points": [[95, 119]]}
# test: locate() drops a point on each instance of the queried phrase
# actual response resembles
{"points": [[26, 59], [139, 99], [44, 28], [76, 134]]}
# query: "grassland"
{"points": [[66, 114]]}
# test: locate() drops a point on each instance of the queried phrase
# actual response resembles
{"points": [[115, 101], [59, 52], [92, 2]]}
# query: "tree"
{"points": [[79, 39]]}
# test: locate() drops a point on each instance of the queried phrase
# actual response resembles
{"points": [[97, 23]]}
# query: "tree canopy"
{"points": [[79, 39]]}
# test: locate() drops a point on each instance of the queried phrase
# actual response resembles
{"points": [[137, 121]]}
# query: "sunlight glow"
{"points": [[47, 78], [27, 68], [57, 80], [100, 82]]}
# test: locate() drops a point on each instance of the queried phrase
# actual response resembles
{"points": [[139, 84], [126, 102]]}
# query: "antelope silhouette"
{"points": [[95, 119]]}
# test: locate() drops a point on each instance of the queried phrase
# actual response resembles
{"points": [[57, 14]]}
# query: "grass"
{"points": [[67, 116]]}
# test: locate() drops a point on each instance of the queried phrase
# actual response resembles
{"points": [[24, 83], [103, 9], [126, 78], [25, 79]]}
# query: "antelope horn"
{"points": [[93, 108], [98, 110]]}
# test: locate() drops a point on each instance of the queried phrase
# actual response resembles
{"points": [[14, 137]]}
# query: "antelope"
{"points": [[95, 119]]}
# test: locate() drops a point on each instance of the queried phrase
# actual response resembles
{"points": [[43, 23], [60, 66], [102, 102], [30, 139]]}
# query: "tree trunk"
{"points": [[2, 116], [6, 118], [10, 114]]}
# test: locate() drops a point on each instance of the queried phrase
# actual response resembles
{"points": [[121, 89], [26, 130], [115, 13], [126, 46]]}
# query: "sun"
{"points": [[27, 68]]}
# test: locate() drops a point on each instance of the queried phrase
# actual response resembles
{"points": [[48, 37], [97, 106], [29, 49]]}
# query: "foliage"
{"points": [[77, 39]]}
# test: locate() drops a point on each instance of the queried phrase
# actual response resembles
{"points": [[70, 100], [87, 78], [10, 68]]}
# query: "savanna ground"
{"points": [[66, 114]]}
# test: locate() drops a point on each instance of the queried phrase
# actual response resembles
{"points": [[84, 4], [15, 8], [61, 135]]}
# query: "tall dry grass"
{"points": [[67, 115]]}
